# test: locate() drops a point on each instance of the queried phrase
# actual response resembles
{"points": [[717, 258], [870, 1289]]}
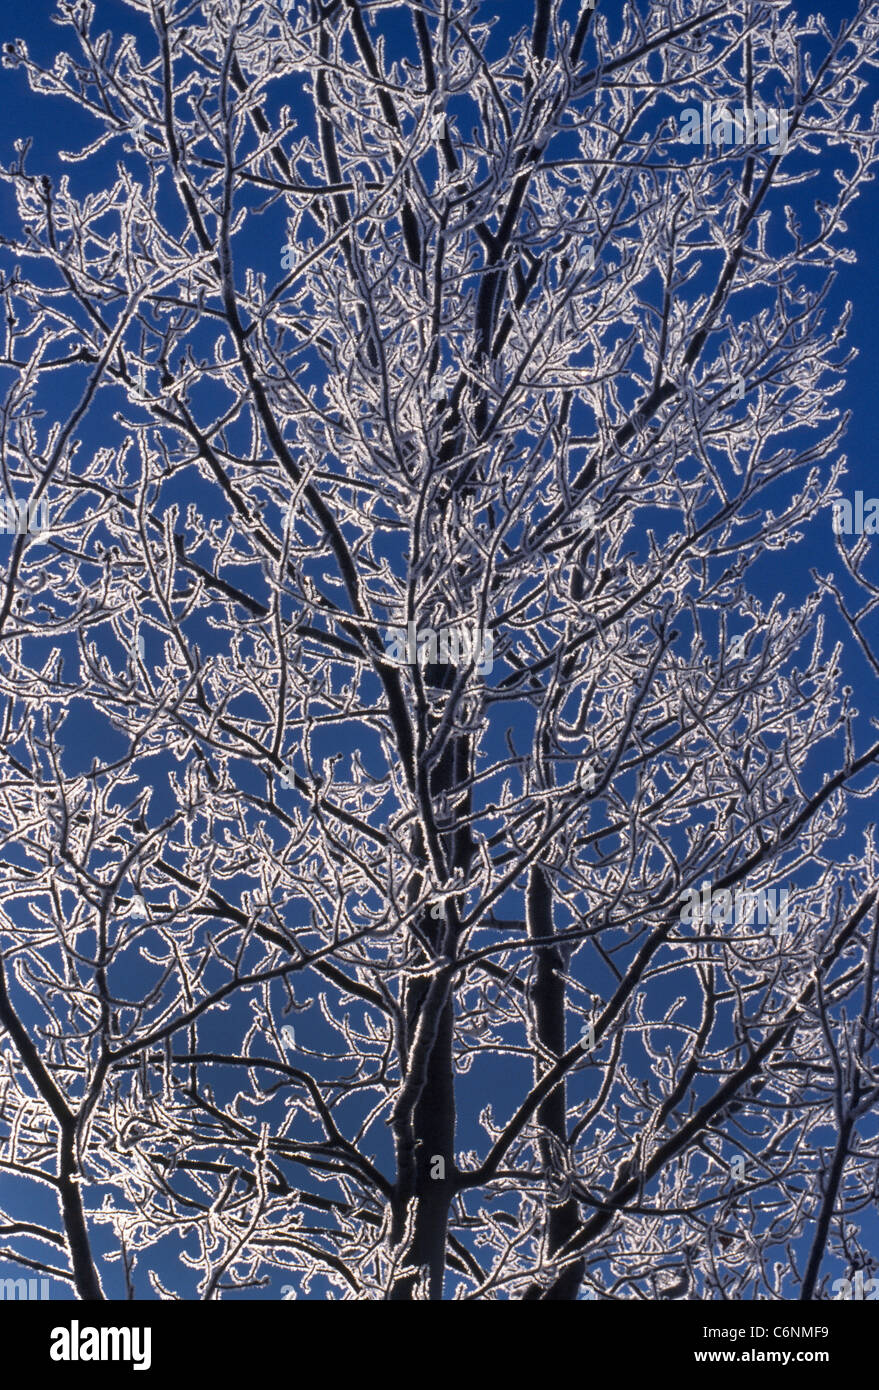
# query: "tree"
{"points": [[419, 808]]}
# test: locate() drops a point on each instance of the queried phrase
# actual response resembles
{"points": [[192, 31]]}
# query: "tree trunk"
{"points": [[430, 1136], [548, 1001]]}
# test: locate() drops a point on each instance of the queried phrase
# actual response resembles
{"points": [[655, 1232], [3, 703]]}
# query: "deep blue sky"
{"points": [[49, 120]]}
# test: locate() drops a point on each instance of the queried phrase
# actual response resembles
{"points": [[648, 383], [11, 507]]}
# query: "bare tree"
{"points": [[420, 868]]}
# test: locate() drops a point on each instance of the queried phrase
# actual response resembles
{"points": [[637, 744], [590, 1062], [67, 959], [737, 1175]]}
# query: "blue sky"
{"points": [[51, 122]]}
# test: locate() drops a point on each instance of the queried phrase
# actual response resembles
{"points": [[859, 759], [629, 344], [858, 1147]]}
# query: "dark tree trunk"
{"points": [[548, 1002], [425, 1137], [429, 1137]]}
